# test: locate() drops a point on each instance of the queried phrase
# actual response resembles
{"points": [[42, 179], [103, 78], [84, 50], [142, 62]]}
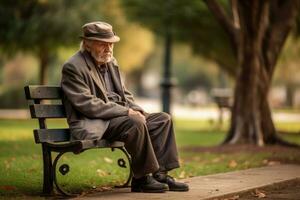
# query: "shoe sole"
{"points": [[179, 190], [149, 191]]}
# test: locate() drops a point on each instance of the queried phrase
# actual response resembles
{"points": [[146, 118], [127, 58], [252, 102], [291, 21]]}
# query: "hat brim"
{"points": [[112, 39]]}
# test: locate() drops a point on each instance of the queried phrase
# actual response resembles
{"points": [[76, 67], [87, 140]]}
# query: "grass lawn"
{"points": [[21, 161]]}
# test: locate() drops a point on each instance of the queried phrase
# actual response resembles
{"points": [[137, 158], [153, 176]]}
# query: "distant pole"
{"points": [[166, 83]]}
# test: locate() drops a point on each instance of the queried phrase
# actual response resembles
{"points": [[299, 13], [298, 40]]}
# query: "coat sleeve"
{"points": [[128, 95], [130, 100], [78, 93]]}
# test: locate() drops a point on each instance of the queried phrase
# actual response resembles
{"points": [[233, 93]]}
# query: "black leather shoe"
{"points": [[148, 184], [173, 185]]}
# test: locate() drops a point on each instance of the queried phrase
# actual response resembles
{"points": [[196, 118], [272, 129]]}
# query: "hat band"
{"points": [[100, 35]]}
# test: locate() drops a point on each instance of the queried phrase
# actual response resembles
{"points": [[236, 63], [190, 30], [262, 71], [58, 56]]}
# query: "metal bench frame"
{"points": [[58, 140]]}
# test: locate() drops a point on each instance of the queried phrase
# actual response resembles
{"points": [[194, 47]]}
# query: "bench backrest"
{"points": [[41, 110]]}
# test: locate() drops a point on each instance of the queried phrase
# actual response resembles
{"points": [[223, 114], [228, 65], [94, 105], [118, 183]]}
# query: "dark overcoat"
{"points": [[86, 103]]}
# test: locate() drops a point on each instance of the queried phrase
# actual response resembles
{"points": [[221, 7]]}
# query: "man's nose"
{"points": [[109, 46]]}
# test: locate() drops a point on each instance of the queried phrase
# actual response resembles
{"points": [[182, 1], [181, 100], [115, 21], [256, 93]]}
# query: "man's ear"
{"points": [[87, 45]]}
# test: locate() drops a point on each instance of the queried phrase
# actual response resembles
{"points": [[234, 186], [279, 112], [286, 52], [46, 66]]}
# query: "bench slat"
{"points": [[33, 92], [51, 135], [47, 111]]}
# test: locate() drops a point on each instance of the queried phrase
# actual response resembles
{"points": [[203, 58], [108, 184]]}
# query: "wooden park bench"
{"points": [[45, 103], [223, 98]]}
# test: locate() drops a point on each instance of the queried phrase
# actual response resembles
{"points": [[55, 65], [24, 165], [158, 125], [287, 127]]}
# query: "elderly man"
{"points": [[99, 106]]}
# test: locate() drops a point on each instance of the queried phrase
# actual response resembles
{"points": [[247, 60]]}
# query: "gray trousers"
{"points": [[151, 145]]}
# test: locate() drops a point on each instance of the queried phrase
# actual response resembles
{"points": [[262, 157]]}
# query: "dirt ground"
{"points": [[283, 154], [282, 191]]}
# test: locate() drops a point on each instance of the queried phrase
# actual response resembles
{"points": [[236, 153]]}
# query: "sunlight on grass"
{"points": [[12, 130], [198, 164], [288, 126], [21, 159]]}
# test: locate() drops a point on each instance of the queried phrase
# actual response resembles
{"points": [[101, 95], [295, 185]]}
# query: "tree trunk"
{"points": [[136, 78], [263, 30], [257, 31], [290, 92], [251, 115], [44, 62]]}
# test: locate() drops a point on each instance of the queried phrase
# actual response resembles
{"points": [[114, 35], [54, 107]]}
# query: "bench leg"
{"points": [[48, 172], [122, 163], [64, 169]]}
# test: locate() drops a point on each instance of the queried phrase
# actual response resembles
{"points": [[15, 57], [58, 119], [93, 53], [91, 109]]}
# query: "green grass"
{"points": [[198, 133], [21, 162], [21, 159], [288, 127], [197, 164]]}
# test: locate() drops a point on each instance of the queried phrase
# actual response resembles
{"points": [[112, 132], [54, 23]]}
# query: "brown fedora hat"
{"points": [[100, 31]]}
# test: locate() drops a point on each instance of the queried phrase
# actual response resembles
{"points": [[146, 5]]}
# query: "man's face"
{"points": [[102, 52]]}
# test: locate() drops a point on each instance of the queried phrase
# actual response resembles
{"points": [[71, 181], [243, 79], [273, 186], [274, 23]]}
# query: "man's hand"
{"points": [[136, 113]]}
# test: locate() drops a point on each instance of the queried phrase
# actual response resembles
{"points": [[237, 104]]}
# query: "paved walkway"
{"points": [[213, 186], [179, 111]]}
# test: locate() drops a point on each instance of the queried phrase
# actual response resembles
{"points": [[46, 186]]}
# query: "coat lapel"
{"points": [[93, 71], [116, 78]]}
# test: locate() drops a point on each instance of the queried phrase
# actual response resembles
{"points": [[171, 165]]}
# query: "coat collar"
{"points": [[113, 69], [93, 71], [116, 78]]}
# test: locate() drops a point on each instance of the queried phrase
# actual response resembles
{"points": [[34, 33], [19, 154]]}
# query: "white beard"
{"points": [[102, 58]]}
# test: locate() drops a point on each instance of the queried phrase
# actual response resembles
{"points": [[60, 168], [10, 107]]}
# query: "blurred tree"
{"points": [[287, 72], [193, 72], [1, 69], [41, 26], [257, 32], [136, 45], [246, 44], [192, 23], [183, 25]]}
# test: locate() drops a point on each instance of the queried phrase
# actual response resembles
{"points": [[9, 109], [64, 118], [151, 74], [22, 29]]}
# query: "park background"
{"points": [[38, 36]]}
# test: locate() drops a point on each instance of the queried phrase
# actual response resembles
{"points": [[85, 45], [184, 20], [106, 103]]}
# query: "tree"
{"points": [[288, 73], [246, 44], [41, 26], [257, 32], [136, 41], [192, 24]]}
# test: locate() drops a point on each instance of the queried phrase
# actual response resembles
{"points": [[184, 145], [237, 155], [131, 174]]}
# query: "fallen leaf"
{"points": [[216, 160], [259, 193], [182, 174], [108, 160], [12, 159], [196, 158], [181, 161], [246, 163], [265, 161], [32, 170], [7, 164], [7, 187], [35, 156], [101, 172], [93, 162], [271, 163], [235, 197], [104, 188], [65, 158], [232, 164]]}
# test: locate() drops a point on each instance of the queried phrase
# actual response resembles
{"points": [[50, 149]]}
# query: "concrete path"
{"points": [[213, 186], [178, 111]]}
